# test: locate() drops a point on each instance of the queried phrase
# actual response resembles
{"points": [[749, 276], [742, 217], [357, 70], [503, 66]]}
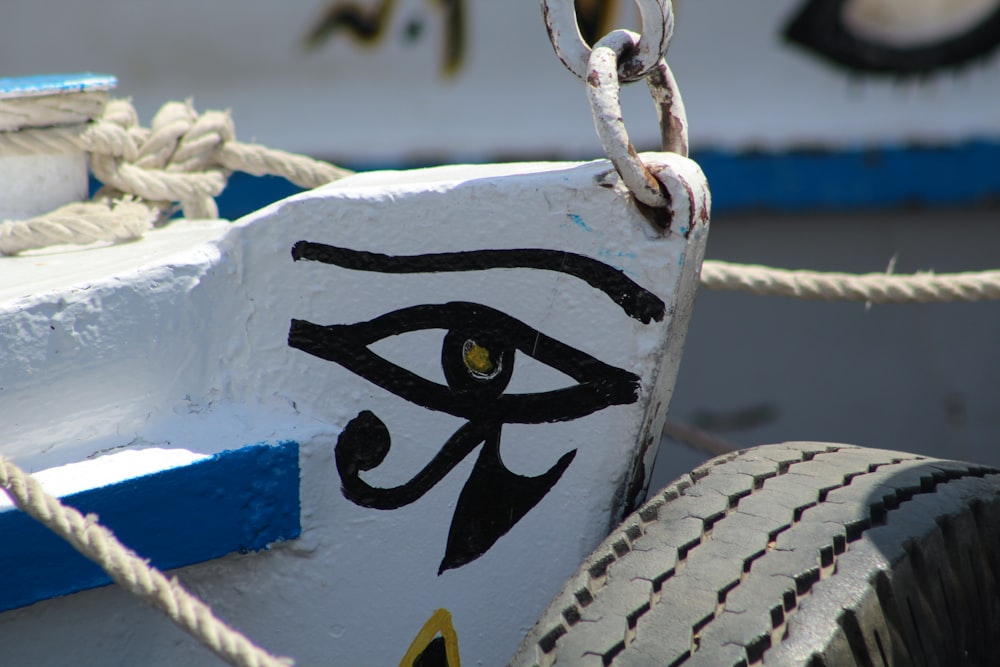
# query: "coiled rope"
{"points": [[132, 572]]}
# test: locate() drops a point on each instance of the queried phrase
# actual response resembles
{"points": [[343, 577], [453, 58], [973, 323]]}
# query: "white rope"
{"points": [[82, 222], [186, 157], [183, 157], [132, 572], [46, 110], [872, 287]]}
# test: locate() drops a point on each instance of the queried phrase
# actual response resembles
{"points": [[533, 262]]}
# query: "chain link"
{"points": [[620, 57], [602, 89], [657, 18]]}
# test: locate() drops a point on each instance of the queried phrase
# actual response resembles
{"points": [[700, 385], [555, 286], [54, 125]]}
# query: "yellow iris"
{"points": [[477, 358]]}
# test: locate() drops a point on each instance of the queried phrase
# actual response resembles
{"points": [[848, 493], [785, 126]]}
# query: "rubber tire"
{"points": [[804, 554]]}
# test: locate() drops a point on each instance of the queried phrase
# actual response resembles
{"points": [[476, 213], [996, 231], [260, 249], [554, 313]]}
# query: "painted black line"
{"points": [[365, 442], [820, 27], [638, 302], [599, 385]]}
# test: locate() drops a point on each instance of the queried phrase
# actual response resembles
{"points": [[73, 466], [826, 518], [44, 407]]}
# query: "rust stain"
{"points": [[628, 67], [692, 206], [661, 218]]}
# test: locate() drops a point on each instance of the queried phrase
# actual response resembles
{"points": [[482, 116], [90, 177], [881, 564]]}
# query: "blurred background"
{"points": [[839, 135]]}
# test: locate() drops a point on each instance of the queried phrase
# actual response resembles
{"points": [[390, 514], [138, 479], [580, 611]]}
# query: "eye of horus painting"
{"points": [[477, 359]]}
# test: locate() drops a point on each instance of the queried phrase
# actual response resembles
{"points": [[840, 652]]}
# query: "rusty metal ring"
{"points": [[564, 33], [602, 91]]}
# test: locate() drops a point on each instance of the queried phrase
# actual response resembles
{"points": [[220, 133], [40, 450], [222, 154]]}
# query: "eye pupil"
{"points": [[476, 363], [479, 360]]}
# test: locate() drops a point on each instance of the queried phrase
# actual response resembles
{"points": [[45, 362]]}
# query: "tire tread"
{"points": [[794, 554]]}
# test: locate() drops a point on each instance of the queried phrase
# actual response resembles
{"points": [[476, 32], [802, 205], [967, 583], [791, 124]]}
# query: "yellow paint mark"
{"points": [[477, 358], [438, 624]]}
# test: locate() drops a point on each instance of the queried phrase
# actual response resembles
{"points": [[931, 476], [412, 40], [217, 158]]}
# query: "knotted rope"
{"points": [[183, 158], [132, 572]]}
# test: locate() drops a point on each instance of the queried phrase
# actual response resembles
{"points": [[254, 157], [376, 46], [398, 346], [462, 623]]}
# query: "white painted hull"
{"points": [[173, 354]]}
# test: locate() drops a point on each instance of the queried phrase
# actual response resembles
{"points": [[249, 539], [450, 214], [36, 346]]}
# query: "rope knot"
{"points": [[183, 157], [183, 141], [173, 161]]}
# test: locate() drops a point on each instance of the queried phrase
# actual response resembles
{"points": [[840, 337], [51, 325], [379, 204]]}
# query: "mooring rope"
{"points": [[82, 222], [51, 110], [186, 158], [871, 288], [183, 158], [131, 572]]}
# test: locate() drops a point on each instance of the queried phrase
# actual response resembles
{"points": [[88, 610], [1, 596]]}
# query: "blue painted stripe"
{"points": [[879, 177], [239, 500], [51, 84], [960, 174]]}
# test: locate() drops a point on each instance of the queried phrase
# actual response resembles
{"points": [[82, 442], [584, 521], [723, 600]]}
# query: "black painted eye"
{"points": [[477, 358], [897, 37]]}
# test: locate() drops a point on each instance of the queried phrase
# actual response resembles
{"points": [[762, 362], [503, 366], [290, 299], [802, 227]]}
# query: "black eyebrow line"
{"points": [[638, 302]]}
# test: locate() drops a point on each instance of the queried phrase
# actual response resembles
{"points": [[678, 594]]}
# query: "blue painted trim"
{"points": [[238, 500], [245, 194], [880, 177], [51, 84], [850, 179]]}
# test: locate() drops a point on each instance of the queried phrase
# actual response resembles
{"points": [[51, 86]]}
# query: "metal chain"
{"points": [[602, 89], [620, 57], [564, 32]]}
